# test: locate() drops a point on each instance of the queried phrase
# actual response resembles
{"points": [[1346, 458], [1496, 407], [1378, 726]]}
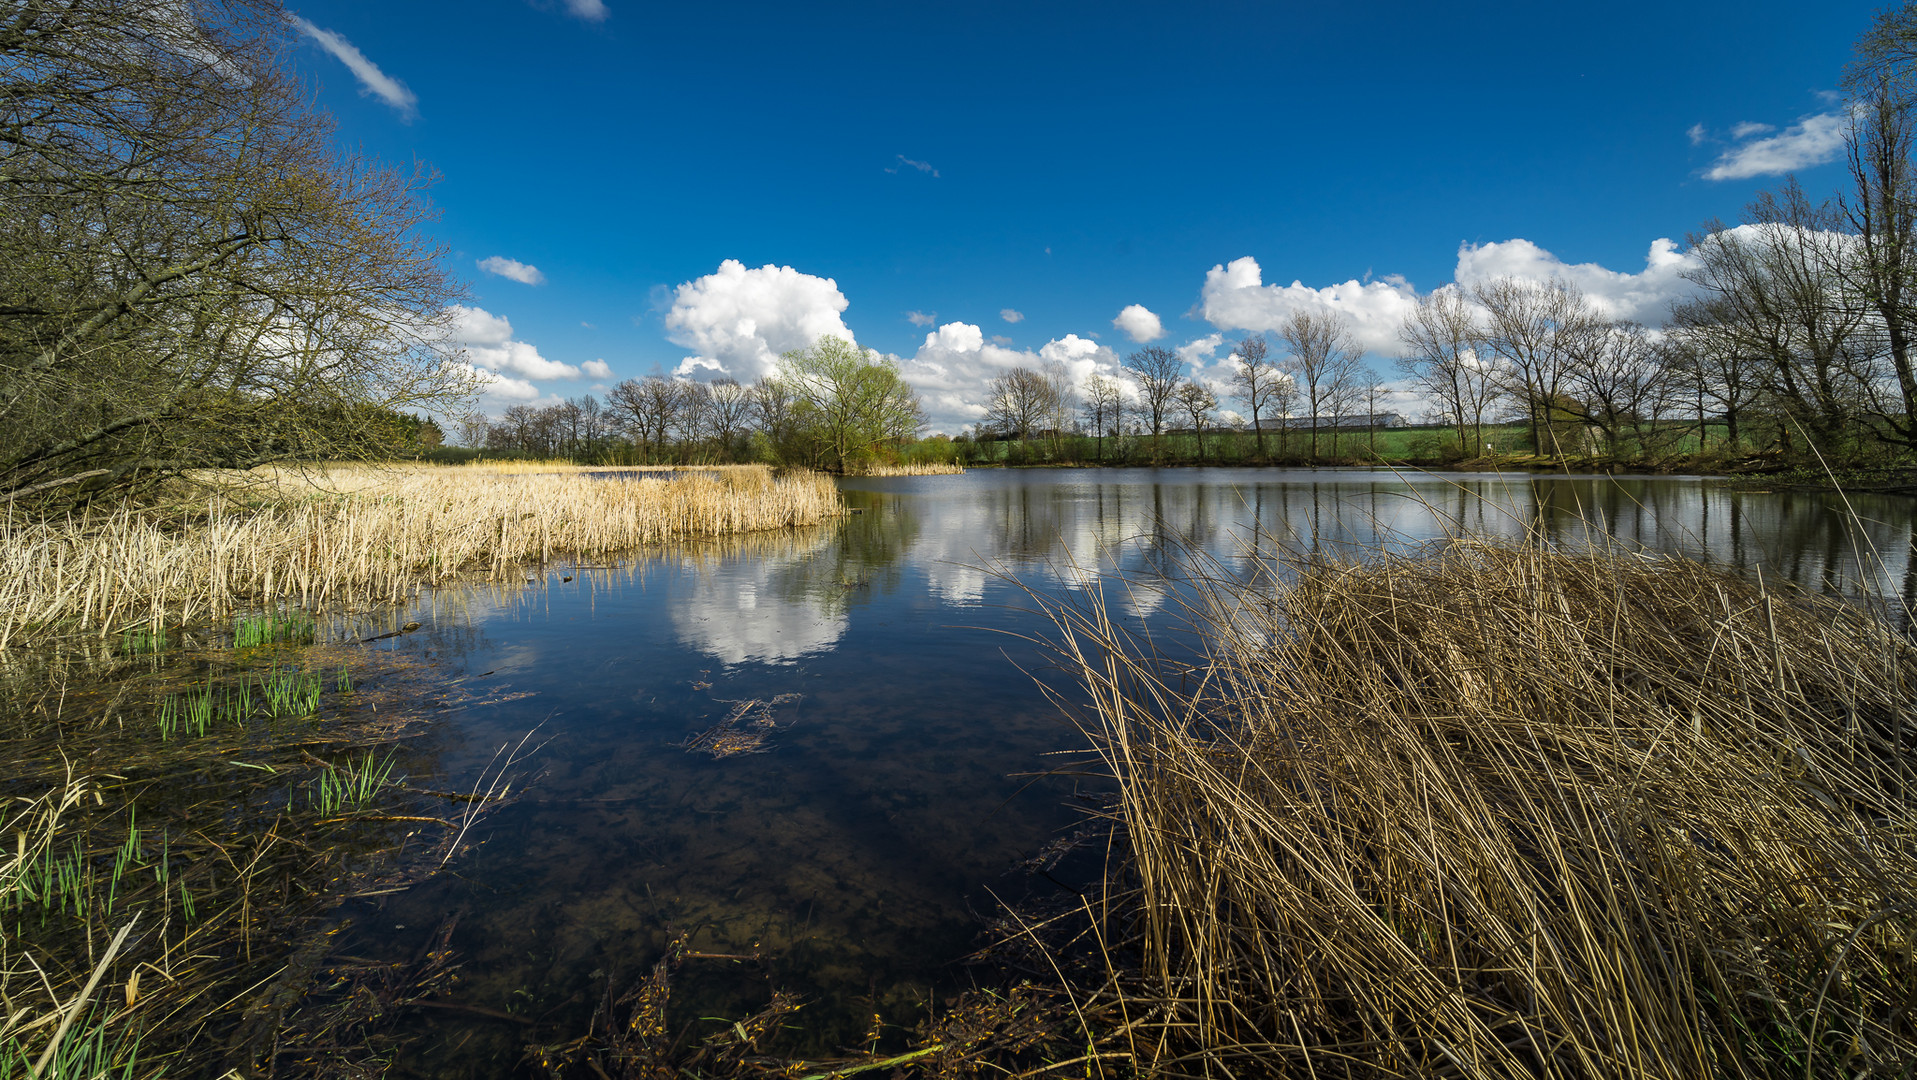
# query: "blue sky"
{"points": [[1057, 162]]}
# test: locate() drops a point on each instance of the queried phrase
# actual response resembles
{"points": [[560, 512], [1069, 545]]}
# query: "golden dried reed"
{"points": [[363, 535], [916, 468], [1499, 811]]}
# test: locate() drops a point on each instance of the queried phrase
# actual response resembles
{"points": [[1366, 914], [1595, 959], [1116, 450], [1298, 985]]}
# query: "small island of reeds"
{"points": [[361, 534]]}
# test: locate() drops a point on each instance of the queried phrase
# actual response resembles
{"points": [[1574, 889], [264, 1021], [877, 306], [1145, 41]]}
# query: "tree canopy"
{"points": [[191, 274], [836, 404]]}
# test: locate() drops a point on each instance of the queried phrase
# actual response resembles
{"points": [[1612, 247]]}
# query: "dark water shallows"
{"points": [[892, 796]]}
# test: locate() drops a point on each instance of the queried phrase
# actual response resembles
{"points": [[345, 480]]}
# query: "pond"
{"points": [[832, 749]]}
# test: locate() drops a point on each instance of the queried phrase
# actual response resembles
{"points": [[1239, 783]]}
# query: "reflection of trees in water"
{"points": [[863, 557], [776, 596], [1809, 538], [1142, 528]]}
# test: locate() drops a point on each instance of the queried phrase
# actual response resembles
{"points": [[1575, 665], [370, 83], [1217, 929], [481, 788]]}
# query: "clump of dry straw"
{"points": [[1505, 811], [363, 535]]}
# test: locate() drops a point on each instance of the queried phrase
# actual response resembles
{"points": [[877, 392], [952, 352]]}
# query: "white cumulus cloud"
{"points": [[1011, 316], [512, 270], [953, 369], [1235, 297], [498, 391], [1644, 296], [598, 369], [1139, 323], [371, 79], [488, 343], [1813, 140], [738, 320]]}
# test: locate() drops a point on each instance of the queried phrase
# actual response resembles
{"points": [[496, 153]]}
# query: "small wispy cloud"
{"points": [[589, 10], [906, 162], [1011, 316], [512, 270], [1697, 134], [921, 318], [1813, 140], [371, 79]]}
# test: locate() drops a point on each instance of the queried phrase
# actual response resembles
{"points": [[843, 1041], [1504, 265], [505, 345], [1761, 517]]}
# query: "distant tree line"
{"points": [[832, 406], [1798, 336], [1319, 387]]}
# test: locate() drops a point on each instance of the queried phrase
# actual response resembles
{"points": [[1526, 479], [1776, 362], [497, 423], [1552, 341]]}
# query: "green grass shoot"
{"points": [[273, 628], [352, 786]]}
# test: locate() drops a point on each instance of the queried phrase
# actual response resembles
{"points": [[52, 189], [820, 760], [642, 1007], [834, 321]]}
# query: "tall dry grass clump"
{"points": [[1500, 811], [363, 535]]}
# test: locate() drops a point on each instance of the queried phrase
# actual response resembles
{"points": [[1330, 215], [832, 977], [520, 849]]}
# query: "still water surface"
{"points": [[893, 795]]}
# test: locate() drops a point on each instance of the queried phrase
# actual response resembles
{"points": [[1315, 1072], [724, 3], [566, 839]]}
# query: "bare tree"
{"points": [[1880, 264], [1104, 408], [592, 422], [469, 427], [1441, 343], [1530, 326], [1159, 371], [1772, 292], [1062, 401], [1705, 344], [1617, 384], [1256, 377], [728, 411], [777, 410], [647, 409], [1197, 401], [1324, 356], [1018, 402], [689, 420]]}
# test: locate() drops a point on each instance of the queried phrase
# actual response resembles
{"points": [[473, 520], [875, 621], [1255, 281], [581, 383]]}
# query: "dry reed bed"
{"points": [[917, 468], [1505, 812], [363, 536]]}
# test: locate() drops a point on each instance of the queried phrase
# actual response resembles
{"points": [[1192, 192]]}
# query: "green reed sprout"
{"points": [[291, 691], [138, 640], [274, 628], [352, 786], [187, 714]]}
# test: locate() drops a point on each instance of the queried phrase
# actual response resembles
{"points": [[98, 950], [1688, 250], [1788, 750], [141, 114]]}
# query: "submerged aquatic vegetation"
{"points": [[229, 848], [143, 639], [274, 628], [1506, 811], [362, 535], [744, 730], [351, 785], [281, 692]]}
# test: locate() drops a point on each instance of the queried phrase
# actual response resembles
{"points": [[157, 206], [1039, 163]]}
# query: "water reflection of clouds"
{"points": [[1066, 531], [741, 611], [1056, 529]]}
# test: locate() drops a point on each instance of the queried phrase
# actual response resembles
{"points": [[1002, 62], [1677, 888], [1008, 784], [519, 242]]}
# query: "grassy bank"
{"points": [[1508, 812], [361, 535]]}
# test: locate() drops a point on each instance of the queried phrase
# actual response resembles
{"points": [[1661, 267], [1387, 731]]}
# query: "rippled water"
{"points": [[900, 718]]}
